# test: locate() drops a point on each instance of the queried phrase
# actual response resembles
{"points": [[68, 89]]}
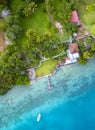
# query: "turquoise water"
{"points": [[70, 105]]}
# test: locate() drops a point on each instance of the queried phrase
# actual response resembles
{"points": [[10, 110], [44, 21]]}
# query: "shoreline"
{"points": [[50, 75]]}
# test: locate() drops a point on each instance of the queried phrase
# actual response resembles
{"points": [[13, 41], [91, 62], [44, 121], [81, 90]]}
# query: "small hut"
{"points": [[74, 17]]}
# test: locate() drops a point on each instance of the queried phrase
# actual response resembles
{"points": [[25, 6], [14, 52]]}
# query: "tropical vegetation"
{"points": [[32, 34]]}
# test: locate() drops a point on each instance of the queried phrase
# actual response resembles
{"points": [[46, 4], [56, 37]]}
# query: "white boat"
{"points": [[38, 117]]}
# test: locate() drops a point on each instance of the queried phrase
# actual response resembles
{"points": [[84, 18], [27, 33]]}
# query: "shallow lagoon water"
{"points": [[70, 105]]}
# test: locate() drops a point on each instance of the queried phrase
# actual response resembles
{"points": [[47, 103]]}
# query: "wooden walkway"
{"points": [[49, 85]]}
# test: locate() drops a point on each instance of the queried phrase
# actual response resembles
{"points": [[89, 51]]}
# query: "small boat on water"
{"points": [[38, 117]]}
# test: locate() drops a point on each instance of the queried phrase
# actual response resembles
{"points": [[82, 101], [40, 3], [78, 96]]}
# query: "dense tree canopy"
{"points": [[3, 3], [12, 68], [14, 30], [38, 45], [14, 61]]}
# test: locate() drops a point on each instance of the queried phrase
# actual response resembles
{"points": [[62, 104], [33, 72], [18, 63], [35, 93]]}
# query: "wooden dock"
{"points": [[49, 85]]}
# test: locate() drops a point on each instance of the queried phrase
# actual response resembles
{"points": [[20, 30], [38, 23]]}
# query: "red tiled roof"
{"points": [[74, 17]]}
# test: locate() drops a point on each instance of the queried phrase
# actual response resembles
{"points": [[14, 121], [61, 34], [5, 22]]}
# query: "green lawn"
{"points": [[88, 18], [38, 21], [47, 67]]}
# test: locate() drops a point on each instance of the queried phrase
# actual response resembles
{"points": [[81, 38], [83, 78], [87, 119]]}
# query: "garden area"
{"points": [[48, 67]]}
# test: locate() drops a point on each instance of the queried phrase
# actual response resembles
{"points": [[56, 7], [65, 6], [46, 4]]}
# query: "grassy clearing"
{"points": [[39, 22], [47, 67], [88, 18]]}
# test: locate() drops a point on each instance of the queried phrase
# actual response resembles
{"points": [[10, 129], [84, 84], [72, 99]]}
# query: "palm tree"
{"points": [[86, 54], [29, 9]]}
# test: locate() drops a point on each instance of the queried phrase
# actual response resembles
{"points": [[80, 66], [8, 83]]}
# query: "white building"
{"points": [[73, 52]]}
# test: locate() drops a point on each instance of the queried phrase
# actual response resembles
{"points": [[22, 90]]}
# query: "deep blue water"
{"points": [[70, 105], [76, 114]]}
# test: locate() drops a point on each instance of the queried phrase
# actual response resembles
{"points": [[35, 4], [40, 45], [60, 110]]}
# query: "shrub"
{"points": [[71, 27], [2, 25], [14, 32], [29, 9], [93, 46], [82, 60], [86, 54]]}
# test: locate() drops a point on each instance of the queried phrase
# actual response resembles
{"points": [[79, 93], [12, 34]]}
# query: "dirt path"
{"points": [[83, 32], [2, 42], [55, 23]]}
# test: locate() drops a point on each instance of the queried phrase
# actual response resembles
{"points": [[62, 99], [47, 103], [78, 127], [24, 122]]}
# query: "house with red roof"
{"points": [[74, 17]]}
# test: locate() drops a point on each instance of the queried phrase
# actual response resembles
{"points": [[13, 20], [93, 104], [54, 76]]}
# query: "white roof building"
{"points": [[73, 52]]}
